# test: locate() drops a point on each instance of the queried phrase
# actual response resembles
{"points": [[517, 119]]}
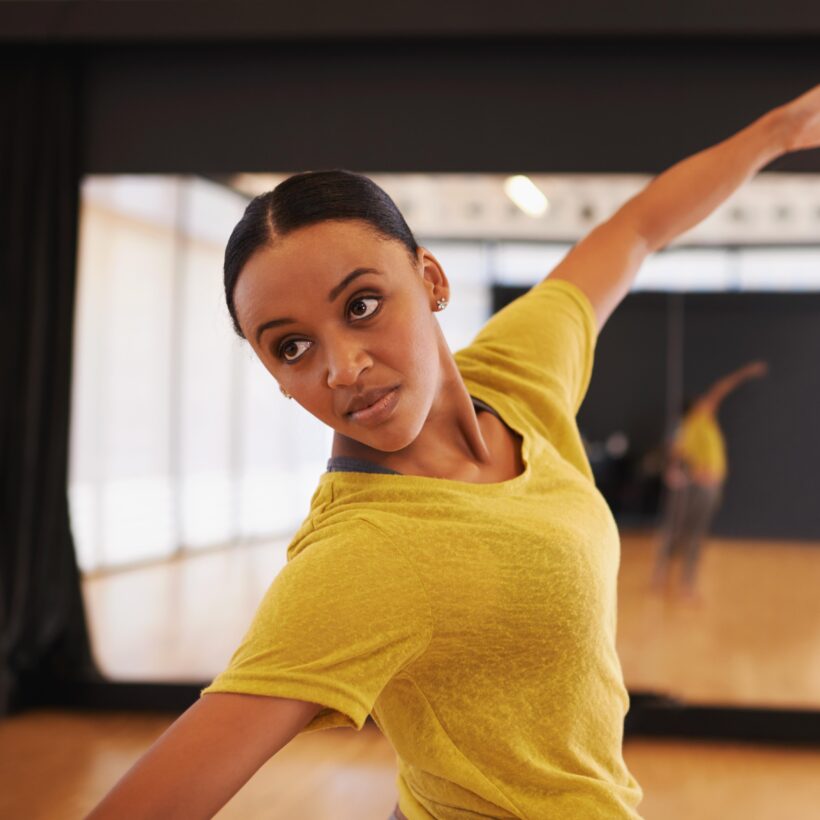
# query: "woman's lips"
{"points": [[377, 412]]}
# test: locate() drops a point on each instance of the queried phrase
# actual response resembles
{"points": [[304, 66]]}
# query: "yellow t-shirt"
{"points": [[476, 622], [701, 444]]}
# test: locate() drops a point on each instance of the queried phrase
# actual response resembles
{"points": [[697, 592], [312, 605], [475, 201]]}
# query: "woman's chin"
{"points": [[389, 441], [390, 438]]}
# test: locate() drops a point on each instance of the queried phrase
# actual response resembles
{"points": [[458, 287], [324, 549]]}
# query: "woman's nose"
{"points": [[346, 361]]}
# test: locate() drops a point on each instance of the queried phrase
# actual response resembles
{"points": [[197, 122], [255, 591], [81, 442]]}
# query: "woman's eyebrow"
{"points": [[272, 323], [347, 280]]}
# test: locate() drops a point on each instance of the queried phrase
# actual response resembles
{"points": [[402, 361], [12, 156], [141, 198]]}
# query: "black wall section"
{"points": [[770, 426], [586, 106]]}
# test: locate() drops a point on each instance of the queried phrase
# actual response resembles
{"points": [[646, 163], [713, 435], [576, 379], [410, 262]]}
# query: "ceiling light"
{"points": [[526, 195]]}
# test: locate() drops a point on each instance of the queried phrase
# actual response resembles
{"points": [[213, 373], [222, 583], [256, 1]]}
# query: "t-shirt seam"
{"points": [[589, 328], [229, 676], [581, 302]]}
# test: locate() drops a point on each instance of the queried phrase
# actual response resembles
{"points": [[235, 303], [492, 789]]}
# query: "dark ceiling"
{"points": [[242, 21]]}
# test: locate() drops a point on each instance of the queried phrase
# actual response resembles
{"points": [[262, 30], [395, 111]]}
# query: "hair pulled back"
{"points": [[306, 199]]}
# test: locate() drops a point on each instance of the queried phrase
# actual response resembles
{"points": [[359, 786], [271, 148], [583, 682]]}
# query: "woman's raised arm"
{"points": [[605, 262], [205, 757]]}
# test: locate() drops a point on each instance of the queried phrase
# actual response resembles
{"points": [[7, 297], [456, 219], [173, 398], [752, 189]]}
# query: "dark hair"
{"points": [[306, 199]]}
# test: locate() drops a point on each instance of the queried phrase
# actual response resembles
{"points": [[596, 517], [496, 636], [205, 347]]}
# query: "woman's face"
{"points": [[343, 320]]}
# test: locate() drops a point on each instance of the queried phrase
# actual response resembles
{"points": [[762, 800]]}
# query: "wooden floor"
{"points": [[56, 766], [754, 639]]}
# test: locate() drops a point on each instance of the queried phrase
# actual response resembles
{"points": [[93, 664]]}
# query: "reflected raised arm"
{"points": [[205, 757], [712, 398], [605, 262]]}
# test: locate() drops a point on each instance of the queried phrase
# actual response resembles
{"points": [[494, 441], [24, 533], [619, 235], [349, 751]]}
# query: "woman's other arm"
{"points": [[605, 262], [205, 757]]}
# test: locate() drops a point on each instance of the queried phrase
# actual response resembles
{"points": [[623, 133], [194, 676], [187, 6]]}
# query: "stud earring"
{"points": [[284, 392], [441, 304]]}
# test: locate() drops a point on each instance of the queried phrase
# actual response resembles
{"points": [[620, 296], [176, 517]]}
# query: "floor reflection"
{"points": [[753, 637]]}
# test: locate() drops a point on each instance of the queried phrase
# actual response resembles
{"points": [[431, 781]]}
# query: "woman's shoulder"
{"points": [[547, 329], [534, 356]]}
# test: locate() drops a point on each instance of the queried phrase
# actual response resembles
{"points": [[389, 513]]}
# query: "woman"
{"points": [[456, 575], [694, 479]]}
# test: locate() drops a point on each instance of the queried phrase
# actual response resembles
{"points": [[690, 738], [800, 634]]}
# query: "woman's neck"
{"points": [[450, 444]]}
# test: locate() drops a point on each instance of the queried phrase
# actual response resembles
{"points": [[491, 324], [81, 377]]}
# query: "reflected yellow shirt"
{"points": [[475, 622], [701, 444]]}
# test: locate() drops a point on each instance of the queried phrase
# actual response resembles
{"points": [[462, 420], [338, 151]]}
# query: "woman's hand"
{"points": [[802, 116], [755, 370], [675, 476]]}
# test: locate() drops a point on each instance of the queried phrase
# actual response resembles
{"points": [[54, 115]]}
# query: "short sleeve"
{"points": [[337, 624], [543, 341]]}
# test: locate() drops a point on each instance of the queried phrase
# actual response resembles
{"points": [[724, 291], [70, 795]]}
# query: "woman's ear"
{"points": [[434, 279]]}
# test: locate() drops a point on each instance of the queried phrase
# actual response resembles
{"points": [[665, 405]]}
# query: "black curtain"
{"points": [[43, 638]]}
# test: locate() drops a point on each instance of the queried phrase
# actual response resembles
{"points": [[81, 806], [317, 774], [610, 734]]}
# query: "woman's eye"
{"points": [[293, 349], [364, 306]]}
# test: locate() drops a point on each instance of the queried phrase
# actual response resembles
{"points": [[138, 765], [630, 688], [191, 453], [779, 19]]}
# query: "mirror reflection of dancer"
{"points": [[456, 576], [694, 480]]}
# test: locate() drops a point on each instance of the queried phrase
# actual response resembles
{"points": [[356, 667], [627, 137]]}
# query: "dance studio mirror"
{"points": [[189, 471]]}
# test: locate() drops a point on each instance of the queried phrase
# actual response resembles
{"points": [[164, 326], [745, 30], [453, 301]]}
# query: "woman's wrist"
{"points": [[689, 191], [781, 127], [797, 123]]}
